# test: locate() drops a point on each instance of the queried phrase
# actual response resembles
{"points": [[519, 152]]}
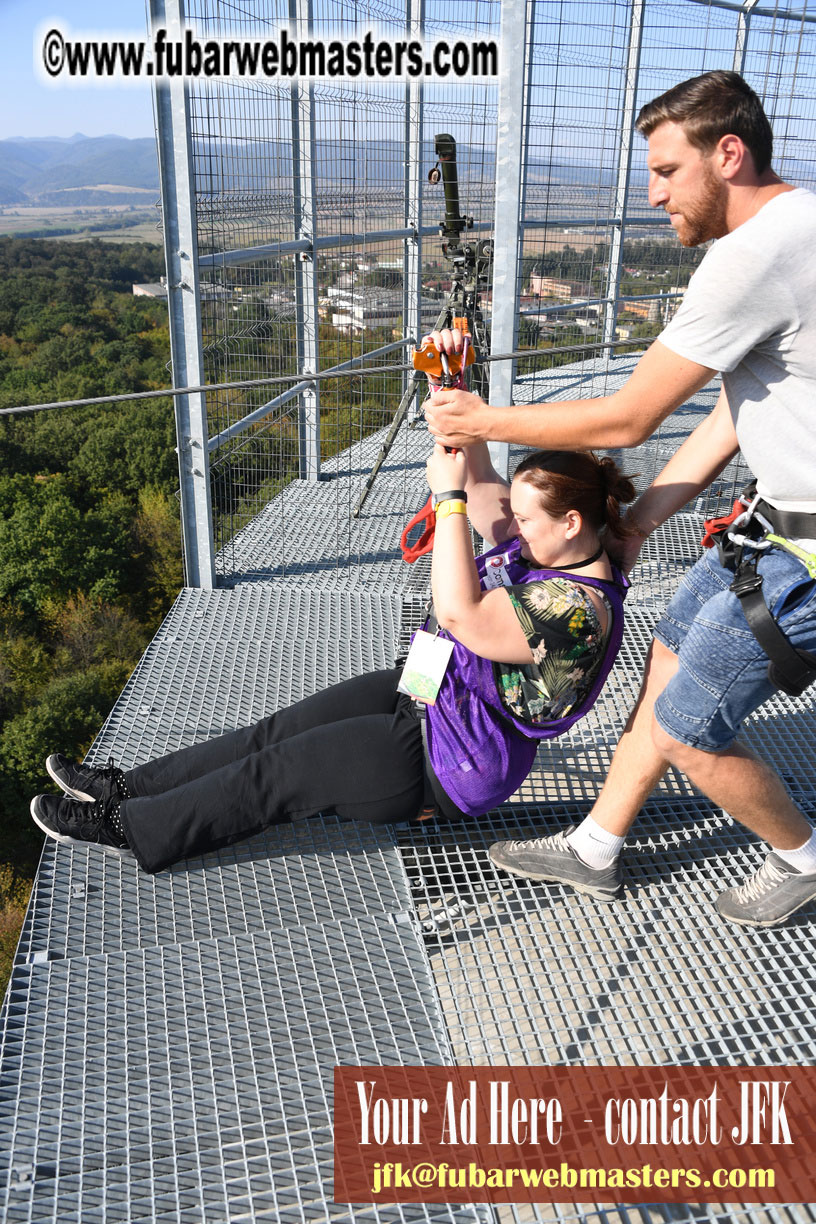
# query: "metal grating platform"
{"points": [[338, 550], [315, 871], [533, 973], [193, 1082], [167, 1043], [223, 659]]}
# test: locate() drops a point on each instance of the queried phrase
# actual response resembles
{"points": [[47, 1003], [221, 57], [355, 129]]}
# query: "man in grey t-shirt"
{"points": [[750, 312]]}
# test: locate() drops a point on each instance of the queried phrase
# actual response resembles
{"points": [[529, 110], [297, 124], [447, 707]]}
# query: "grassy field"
{"points": [[109, 222]]}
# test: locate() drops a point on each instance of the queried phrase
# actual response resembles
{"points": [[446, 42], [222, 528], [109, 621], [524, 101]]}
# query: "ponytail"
{"points": [[618, 490]]}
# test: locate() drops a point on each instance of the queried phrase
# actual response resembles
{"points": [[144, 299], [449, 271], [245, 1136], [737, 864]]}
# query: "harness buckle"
{"points": [[746, 582], [740, 540], [725, 533]]}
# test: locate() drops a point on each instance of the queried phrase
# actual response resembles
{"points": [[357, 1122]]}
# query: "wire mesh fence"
{"points": [[316, 223]]}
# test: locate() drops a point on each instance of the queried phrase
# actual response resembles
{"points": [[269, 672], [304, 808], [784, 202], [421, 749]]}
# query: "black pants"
{"points": [[355, 748]]}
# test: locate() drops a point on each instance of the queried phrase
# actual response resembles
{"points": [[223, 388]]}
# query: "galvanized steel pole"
{"points": [[624, 167], [516, 24], [412, 257], [303, 174], [181, 256], [743, 25]]}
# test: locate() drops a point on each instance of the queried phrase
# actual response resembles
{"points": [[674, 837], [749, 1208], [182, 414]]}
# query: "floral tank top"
{"points": [[561, 625]]}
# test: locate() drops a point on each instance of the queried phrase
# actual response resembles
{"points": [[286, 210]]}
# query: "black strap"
{"points": [[789, 522], [580, 564], [451, 495], [428, 797], [789, 669], [436, 800]]}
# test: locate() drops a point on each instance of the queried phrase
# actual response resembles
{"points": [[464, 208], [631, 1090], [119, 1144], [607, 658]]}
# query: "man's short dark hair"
{"points": [[709, 107]]}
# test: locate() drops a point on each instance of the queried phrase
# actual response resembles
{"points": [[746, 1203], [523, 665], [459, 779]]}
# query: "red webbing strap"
{"points": [[424, 543], [713, 527]]}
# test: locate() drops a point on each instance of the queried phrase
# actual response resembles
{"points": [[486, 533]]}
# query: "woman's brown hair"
{"points": [[579, 480]]}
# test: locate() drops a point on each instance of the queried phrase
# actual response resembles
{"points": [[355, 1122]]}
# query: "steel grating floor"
{"points": [[167, 1043], [193, 1081], [222, 659], [528, 973]]}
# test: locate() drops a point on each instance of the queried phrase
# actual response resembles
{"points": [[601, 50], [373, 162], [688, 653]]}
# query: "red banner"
{"points": [[575, 1134]]}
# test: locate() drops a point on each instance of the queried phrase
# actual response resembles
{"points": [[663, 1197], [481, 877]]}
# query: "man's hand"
{"points": [[458, 418]]}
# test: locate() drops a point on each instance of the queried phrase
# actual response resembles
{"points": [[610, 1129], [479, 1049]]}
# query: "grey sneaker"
{"points": [[553, 858], [771, 895]]}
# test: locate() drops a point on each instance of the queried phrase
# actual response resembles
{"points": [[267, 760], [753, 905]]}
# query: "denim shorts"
{"points": [[723, 673]]}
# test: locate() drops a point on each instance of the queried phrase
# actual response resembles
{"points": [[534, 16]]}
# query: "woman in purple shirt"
{"points": [[530, 630]]}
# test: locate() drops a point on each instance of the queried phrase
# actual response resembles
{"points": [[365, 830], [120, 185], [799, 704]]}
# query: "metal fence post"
{"points": [[513, 62], [743, 25], [303, 177], [412, 258], [624, 169], [175, 148]]}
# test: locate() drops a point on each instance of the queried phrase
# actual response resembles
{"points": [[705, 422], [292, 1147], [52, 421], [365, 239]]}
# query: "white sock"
{"points": [[593, 845], [803, 859]]}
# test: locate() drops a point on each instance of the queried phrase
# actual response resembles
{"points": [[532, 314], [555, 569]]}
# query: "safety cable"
{"points": [[275, 380]]}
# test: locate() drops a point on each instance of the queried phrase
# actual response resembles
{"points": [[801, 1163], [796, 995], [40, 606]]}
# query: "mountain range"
{"points": [[77, 170], [83, 170]]}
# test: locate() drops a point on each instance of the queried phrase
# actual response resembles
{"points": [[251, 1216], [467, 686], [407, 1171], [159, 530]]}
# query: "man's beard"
{"points": [[705, 218]]}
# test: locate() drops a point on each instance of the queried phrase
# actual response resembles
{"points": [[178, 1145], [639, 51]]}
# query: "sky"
{"points": [[30, 108]]}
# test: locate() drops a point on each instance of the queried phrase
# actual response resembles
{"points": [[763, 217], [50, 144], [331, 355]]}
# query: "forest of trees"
{"points": [[89, 532]]}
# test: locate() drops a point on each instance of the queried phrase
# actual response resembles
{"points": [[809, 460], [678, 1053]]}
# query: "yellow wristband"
{"points": [[450, 507]]}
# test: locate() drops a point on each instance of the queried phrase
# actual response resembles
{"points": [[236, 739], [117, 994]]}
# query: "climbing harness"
{"points": [[741, 539]]}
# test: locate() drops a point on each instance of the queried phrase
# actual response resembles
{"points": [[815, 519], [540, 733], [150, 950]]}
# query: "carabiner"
{"points": [[742, 519]]}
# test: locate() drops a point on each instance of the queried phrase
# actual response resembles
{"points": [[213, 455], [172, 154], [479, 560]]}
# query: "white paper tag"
{"points": [[495, 572], [425, 667]]}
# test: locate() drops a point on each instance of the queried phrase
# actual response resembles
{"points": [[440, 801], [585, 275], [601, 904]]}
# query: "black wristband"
{"points": [[453, 495]]}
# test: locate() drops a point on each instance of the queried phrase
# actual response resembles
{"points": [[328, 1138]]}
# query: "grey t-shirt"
{"points": [[750, 312]]}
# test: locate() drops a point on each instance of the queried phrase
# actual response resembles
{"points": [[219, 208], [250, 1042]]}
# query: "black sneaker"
{"points": [[77, 822], [87, 782]]}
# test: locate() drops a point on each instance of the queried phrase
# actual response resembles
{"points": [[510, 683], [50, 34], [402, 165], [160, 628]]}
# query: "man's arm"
{"points": [[702, 456], [660, 383]]}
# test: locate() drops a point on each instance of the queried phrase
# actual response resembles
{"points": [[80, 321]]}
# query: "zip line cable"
{"points": [[275, 380]]}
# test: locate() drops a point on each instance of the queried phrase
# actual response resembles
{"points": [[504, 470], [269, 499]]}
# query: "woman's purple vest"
{"points": [[479, 751]]}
